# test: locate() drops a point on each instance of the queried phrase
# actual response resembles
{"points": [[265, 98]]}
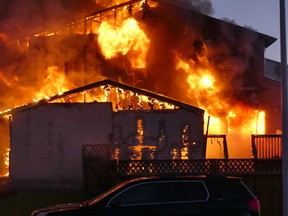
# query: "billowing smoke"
{"points": [[22, 18], [202, 6]]}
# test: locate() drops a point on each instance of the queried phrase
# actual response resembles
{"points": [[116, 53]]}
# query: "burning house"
{"points": [[162, 47], [47, 139]]}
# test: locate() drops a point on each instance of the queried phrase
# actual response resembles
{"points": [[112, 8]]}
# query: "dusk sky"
{"points": [[261, 15]]}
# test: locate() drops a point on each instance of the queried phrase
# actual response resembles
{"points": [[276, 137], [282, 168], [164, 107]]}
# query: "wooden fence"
{"points": [[126, 168]]}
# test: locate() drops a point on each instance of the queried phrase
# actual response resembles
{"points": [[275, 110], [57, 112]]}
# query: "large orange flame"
{"points": [[126, 38], [54, 83], [238, 121]]}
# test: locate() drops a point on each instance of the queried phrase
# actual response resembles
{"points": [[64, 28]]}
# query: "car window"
{"points": [[183, 191], [138, 194], [233, 190], [163, 192]]}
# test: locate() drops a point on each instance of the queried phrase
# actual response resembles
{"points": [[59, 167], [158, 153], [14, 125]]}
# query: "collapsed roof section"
{"points": [[123, 97]]}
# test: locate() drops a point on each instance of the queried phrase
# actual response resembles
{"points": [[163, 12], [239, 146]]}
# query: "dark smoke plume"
{"points": [[201, 6]]}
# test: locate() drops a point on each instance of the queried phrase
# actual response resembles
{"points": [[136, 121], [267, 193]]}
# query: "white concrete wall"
{"points": [[46, 141]]}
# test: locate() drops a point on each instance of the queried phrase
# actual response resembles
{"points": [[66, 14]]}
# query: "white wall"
{"points": [[46, 141]]}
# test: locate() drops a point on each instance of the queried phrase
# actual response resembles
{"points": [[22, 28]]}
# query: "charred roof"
{"points": [[105, 82]]}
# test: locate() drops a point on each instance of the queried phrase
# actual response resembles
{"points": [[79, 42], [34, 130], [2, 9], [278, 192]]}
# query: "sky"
{"points": [[261, 15]]}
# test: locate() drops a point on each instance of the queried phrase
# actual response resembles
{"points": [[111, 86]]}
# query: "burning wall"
{"points": [[164, 47]]}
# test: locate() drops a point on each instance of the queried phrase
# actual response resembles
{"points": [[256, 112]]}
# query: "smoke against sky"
{"points": [[202, 6], [261, 15]]}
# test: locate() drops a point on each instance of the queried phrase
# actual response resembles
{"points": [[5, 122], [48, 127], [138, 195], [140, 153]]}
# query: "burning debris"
{"points": [[158, 45]]}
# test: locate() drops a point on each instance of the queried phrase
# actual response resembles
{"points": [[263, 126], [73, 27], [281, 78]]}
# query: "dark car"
{"points": [[170, 195]]}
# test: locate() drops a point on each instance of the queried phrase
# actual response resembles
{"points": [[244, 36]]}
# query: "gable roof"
{"points": [[105, 82]]}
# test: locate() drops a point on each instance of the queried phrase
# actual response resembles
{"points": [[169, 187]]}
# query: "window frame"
{"points": [[108, 204]]}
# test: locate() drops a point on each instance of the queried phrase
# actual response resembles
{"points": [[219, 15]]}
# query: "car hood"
{"points": [[58, 207]]}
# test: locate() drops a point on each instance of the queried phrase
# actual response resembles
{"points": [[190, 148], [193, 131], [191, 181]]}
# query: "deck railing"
{"points": [[267, 146]]}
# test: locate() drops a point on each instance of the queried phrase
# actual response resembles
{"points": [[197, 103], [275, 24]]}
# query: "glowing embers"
{"points": [[140, 132], [136, 146], [6, 163], [185, 150], [185, 141], [125, 99]]}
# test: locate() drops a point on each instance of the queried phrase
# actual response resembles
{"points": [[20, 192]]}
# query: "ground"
{"points": [[23, 202]]}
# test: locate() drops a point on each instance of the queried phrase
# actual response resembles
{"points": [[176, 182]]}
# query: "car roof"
{"points": [[180, 177]]}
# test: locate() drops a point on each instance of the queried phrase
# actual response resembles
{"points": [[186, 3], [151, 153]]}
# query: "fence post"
{"points": [[254, 149], [226, 156], [214, 168]]}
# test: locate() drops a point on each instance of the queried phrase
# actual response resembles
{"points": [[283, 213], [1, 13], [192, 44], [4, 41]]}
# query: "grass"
{"points": [[23, 202]]}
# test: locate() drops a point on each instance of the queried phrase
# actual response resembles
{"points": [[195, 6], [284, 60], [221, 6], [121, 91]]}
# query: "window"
{"points": [[185, 141], [183, 191], [140, 131], [163, 192], [233, 190], [138, 194]]}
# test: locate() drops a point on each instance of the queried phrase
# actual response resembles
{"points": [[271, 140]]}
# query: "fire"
{"points": [[6, 163], [238, 121], [119, 35], [260, 122], [203, 86], [125, 38], [207, 81], [55, 82]]}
